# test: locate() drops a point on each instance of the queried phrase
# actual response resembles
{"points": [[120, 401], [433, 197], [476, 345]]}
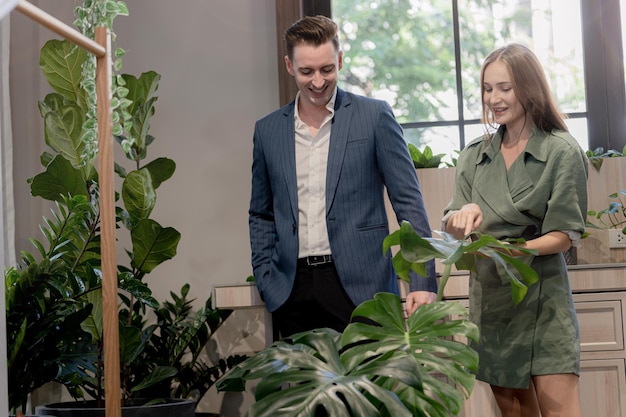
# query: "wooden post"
{"points": [[60, 28], [107, 228]]}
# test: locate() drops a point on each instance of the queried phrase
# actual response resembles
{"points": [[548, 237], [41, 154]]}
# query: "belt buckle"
{"points": [[316, 260]]}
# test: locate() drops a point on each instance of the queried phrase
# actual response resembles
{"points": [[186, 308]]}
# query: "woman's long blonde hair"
{"points": [[530, 86]]}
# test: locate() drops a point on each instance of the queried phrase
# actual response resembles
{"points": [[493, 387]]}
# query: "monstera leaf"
{"points": [[388, 368], [414, 251]]}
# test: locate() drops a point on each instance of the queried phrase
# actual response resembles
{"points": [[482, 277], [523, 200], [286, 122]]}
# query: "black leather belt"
{"points": [[316, 260]]}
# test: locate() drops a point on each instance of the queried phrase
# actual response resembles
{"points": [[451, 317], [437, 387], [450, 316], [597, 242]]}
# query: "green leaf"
{"points": [[59, 179], [152, 244], [141, 92], [139, 195], [133, 341], [63, 133], [305, 372], [425, 338], [414, 248], [390, 368], [61, 62], [414, 251], [159, 374], [94, 323], [161, 169]]}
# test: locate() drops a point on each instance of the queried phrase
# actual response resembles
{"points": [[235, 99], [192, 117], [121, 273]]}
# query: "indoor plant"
{"points": [[416, 366], [597, 156], [605, 215], [54, 310], [611, 217], [425, 158]]}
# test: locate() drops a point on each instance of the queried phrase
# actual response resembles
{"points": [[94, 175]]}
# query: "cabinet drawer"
{"points": [[603, 388], [601, 325]]}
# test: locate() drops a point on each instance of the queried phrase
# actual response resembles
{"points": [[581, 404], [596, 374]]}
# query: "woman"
{"points": [[527, 179]]}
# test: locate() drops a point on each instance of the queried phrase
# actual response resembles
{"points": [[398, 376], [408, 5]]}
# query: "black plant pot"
{"points": [[171, 408]]}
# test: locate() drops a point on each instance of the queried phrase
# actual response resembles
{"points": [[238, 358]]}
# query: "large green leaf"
{"points": [[61, 63], [139, 195], [133, 341], [425, 337], [391, 368], [59, 179], [153, 244], [63, 130], [160, 373], [305, 372], [415, 250], [94, 323], [160, 169]]}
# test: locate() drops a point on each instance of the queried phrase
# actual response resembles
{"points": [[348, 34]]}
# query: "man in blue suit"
{"points": [[317, 211]]}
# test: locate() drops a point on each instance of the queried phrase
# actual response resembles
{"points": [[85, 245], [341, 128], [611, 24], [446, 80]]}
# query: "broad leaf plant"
{"points": [[389, 365]]}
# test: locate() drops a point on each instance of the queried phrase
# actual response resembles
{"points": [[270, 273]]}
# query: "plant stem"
{"points": [[444, 280]]}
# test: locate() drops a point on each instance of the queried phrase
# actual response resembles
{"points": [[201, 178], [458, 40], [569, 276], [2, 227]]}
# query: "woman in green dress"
{"points": [[527, 178]]}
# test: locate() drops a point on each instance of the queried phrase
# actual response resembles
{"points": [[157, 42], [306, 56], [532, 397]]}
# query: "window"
{"points": [[424, 57]]}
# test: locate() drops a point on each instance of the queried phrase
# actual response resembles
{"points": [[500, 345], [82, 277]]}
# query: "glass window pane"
{"points": [[578, 129], [537, 24], [474, 131], [442, 140], [402, 52]]}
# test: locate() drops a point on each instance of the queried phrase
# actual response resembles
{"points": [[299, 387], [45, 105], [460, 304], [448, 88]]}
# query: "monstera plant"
{"points": [[389, 365]]}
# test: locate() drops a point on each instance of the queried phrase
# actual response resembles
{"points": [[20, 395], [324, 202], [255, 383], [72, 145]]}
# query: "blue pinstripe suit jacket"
{"points": [[367, 153]]}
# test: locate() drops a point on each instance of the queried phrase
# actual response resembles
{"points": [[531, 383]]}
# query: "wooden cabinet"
{"points": [[603, 357]]}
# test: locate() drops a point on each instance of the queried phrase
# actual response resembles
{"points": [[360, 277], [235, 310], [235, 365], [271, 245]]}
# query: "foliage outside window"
{"points": [[424, 57]]}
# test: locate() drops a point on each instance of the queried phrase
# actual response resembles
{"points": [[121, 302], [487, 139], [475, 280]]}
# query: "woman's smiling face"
{"points": [[499, 95]]}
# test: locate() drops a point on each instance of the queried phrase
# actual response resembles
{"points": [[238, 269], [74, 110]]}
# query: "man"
{"points": [[317, 211]]}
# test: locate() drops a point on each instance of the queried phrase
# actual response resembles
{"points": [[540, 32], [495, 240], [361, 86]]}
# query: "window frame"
{"points": [[605, 88]]}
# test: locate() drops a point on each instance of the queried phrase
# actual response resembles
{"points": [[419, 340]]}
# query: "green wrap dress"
{"points": [[544, 190]]}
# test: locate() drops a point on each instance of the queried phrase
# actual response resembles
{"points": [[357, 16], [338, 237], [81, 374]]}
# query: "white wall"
{"points": [[217, 59]]}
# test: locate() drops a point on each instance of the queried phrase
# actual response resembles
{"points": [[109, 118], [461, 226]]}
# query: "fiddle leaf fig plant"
{"points": [[53, 297]]}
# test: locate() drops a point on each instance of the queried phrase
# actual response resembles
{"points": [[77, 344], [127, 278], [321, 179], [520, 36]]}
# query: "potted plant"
{"points": [[605, 214], [395, 366], [597, 156], [611, 217], [53, 298], [425, 158]]}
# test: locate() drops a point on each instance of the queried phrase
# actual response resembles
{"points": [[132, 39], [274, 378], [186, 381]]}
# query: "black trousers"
{"points": [[317, 300]]}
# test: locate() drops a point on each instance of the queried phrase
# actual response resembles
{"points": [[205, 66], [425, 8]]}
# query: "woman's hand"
{"points": [[416, 299], [464, 221]]}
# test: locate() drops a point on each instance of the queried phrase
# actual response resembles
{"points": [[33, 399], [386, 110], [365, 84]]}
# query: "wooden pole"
{"points": [[60, 28], [106, 176]]}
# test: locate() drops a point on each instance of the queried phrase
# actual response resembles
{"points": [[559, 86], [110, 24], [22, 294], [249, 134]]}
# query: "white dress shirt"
{"points": [[311, 163]]}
